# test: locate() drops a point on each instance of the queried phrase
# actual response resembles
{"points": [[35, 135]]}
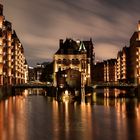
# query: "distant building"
{"points": [[42, 72], [26, 75], [110, 70], [106, 71], [75, 55], [99, 72], [31, 74], [36, 72], [13, 65]]}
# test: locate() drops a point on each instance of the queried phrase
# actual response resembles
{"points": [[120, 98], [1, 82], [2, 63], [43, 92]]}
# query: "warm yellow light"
{"points": [[139, 30], [139, 26], [66, 92]]}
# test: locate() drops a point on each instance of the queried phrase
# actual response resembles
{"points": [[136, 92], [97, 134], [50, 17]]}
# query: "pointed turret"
{"points": [[82, 48], [1, 10]]}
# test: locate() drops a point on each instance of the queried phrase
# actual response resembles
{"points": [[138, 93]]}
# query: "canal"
{"points": [[33, 116]]}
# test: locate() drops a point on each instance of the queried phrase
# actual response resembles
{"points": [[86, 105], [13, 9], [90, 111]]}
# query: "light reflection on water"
{"points": [[36, 117]]}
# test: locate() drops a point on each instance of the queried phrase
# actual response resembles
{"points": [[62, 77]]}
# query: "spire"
{"points": [[82, 47]]}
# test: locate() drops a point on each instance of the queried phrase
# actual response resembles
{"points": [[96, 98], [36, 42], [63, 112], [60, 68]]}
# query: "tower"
{"points": [[138, 30]]}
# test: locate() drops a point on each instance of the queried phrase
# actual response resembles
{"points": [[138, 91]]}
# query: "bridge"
{"points": [[32, 86], [113, 85], [52, 91], [94, 86]]}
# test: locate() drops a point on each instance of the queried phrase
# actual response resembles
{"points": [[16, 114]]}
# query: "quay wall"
{"points": [[5, 91]]}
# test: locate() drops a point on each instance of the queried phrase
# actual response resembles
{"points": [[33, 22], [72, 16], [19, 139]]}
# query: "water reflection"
{"points": [[71, 120], [27, 117], [13, 119], [113, 93]]}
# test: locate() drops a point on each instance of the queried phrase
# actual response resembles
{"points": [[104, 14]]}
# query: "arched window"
{"points": [[66, 62], [59, 61], [75, 61]]}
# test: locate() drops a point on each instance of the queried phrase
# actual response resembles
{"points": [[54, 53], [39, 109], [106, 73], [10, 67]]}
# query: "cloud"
{"points": [[106, 51], [41, 23]]}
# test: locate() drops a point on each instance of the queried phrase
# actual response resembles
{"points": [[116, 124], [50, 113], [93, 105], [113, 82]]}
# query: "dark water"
{"points": [[36, 117]]}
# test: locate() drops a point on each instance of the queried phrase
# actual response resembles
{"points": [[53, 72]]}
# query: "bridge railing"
{"points": [[113, 85], [32, 85]]}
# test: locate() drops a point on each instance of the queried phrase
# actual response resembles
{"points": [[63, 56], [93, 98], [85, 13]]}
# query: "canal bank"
{"points": [[137, 91], [5, 91]]}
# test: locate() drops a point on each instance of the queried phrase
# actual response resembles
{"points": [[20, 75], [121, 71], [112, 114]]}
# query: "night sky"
{"points": [[41, 23]]}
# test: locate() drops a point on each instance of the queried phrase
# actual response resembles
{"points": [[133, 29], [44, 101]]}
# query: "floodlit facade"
{"points": [[74, 55], [123, 65], [135, 57], [128, 60], [110, 70], [106, 71], [13, 65]]}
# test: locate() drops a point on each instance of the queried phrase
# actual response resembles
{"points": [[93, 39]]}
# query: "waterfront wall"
{"points": [[5, 91], [138, 91]]}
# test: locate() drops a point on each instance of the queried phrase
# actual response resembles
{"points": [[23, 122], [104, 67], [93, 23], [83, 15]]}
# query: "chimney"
{"points": [[1, 10], [61, 43]]}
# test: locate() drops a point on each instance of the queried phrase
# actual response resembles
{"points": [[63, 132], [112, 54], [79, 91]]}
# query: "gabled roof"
{"points": [[68, 47]]}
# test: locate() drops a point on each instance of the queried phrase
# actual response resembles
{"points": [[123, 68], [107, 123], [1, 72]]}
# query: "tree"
{"points": [[47, 72]]}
